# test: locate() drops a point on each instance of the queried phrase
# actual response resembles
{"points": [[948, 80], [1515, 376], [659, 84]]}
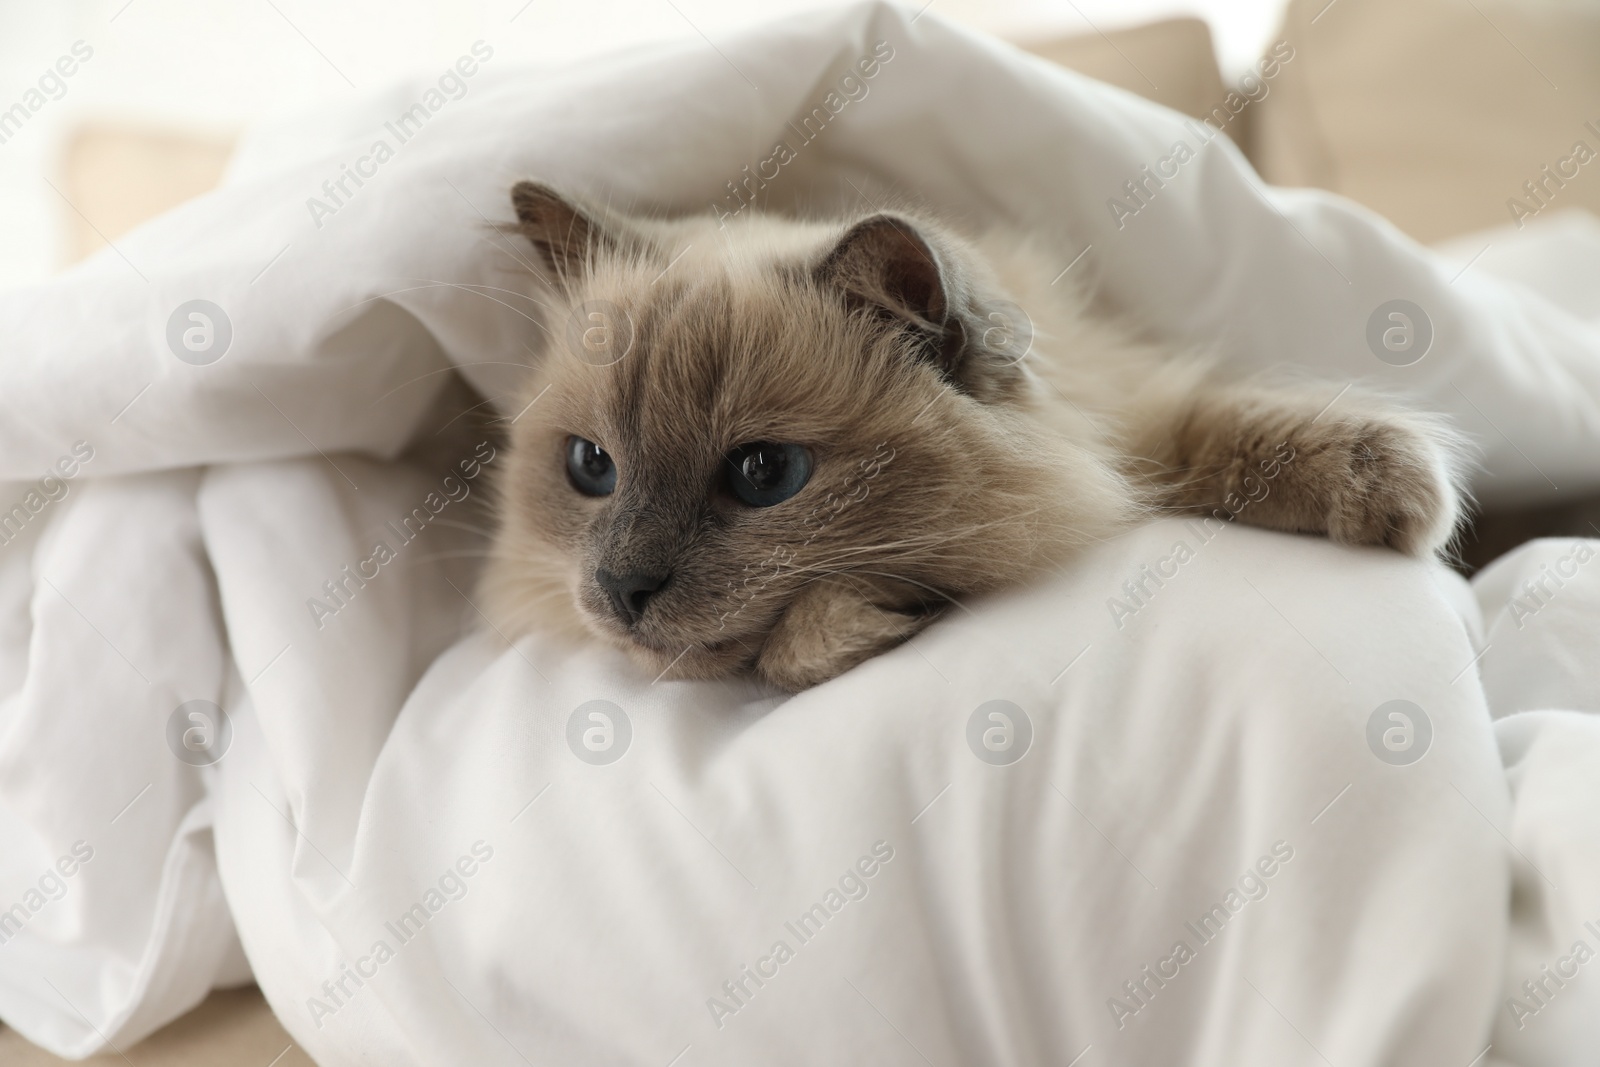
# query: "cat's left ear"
{"points": [[565, 234], [887, 266]]}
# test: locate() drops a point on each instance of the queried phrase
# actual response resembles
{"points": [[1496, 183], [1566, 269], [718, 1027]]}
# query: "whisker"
{"points": [[469, 527], [466, 287], [939, 593], [473, 289], [435, 557], [468, 411], [447, 370]]}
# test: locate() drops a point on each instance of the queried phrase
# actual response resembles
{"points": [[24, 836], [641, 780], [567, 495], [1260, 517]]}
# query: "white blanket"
{"points": [[1198, 831]]}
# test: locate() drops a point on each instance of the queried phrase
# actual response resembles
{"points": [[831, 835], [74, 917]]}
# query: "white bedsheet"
{"points": [[396, 758]]}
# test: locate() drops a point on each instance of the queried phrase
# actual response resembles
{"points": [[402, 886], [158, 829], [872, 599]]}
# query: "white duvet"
{"points": [[1210, 796]]}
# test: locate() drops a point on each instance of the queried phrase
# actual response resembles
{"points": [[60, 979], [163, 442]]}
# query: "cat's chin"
{"points": [[824, 631], [720, 660], [668, 660]]}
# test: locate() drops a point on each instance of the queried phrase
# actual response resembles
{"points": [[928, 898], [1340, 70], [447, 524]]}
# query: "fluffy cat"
{"points": [[782, 446]]}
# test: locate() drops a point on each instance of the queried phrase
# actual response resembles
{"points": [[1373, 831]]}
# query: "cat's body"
{"points": [[783, 446]]}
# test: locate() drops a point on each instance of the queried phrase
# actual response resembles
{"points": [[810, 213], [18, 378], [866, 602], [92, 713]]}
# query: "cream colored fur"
{"points": [[944, 467]]}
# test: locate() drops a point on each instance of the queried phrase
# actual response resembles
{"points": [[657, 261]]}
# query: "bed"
{"points": [[1305, 804]]}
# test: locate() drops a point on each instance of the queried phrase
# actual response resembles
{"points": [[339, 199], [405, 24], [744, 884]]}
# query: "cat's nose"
{"points": [[630, 592]]}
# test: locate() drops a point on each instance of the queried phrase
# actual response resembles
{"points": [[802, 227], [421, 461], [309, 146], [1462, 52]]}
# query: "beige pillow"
{"points": [[1171, 62], [1442, 115], [117, 177]]}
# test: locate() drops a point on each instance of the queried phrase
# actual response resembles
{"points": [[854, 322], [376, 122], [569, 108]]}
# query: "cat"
{"points": [[782, 447]]}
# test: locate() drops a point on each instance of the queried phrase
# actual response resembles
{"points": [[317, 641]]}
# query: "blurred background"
{"points": [[149, 118], [1442, 115]]}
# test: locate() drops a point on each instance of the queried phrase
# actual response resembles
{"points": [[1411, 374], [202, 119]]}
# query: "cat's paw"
{"points": [[1369, 474], [829, 628], [1381, 480]]}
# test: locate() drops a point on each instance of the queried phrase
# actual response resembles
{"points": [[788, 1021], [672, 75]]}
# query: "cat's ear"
{"points": [[887, 266], [564, 234], [883, 262]]}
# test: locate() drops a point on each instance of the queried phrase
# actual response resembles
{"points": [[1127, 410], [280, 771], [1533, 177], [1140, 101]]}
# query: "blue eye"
{"points": [[591, 470], [764, 474]]}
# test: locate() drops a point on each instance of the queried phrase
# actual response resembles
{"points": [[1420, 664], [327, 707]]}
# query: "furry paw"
{"points": [[829, 628], [1379, 480], [1368, 475]]}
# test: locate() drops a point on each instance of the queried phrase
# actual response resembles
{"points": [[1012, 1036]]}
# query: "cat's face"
{"points": [[781, 452]]}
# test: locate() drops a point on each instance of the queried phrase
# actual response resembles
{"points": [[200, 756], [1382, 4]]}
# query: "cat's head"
{"points": [[772, 445]]}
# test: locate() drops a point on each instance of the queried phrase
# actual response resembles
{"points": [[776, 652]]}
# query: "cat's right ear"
{"points": [[565, 235]]}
